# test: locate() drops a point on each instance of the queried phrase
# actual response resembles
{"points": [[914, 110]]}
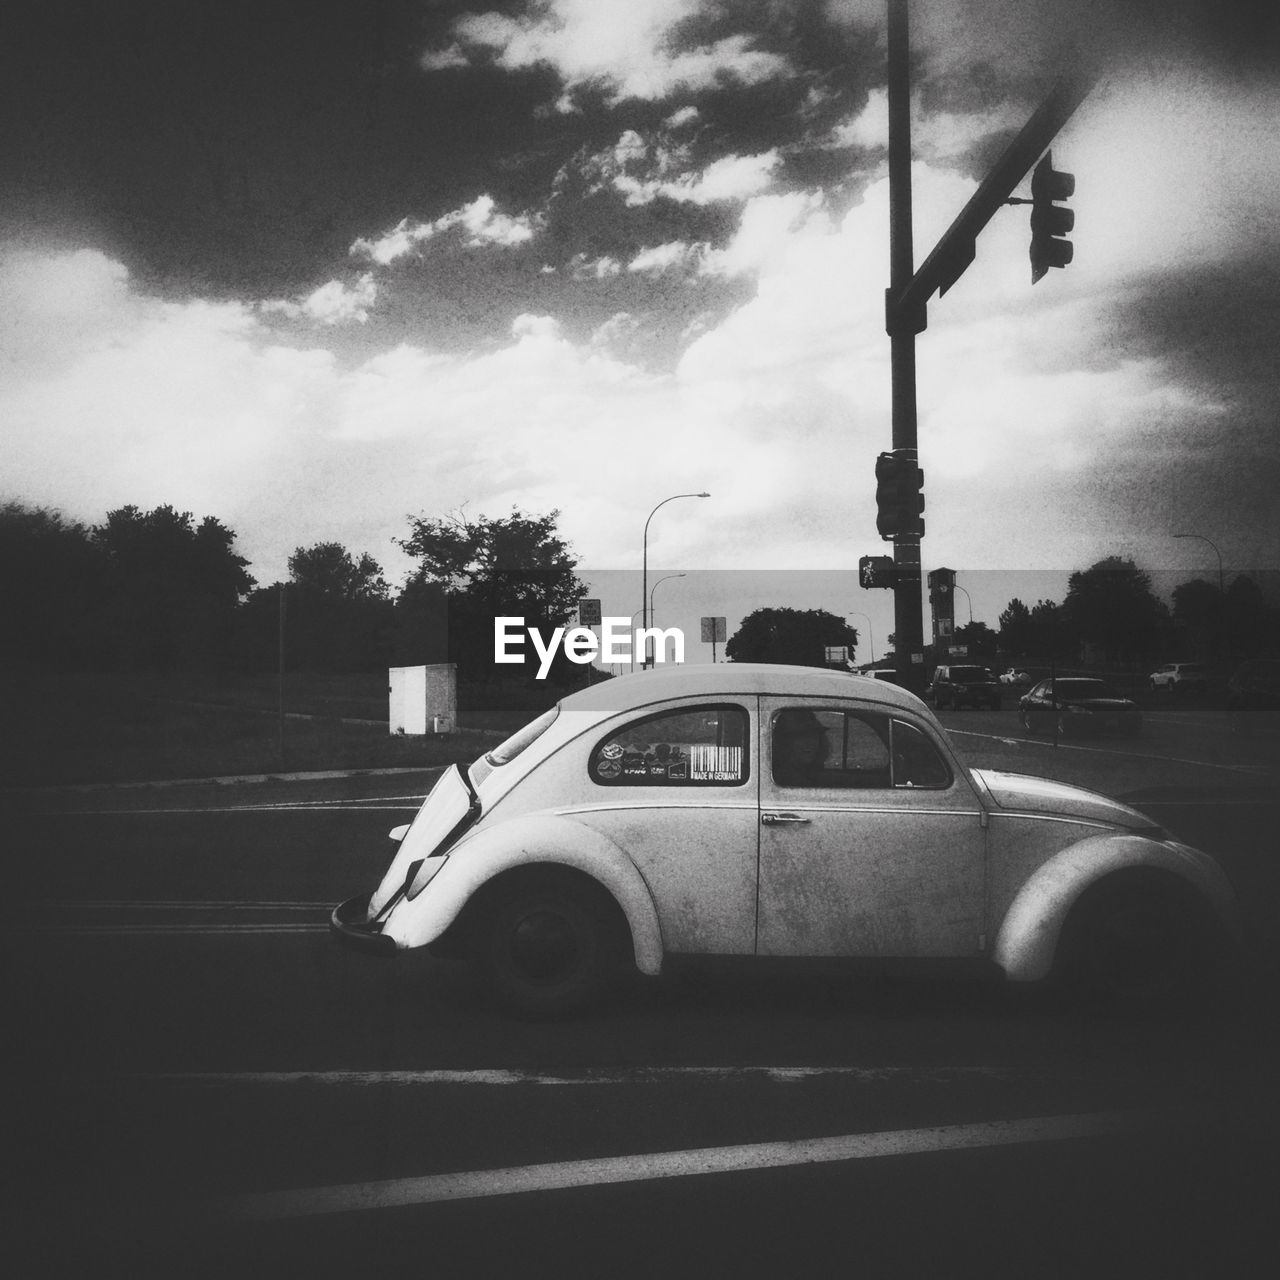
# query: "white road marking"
{"points": [[1105, 751], [143, 930], [499, 1076], [412, 805], [446, 1187]]}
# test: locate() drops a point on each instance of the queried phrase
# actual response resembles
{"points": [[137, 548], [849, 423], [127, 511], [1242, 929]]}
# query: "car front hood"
{"points": [[1042, 795]]}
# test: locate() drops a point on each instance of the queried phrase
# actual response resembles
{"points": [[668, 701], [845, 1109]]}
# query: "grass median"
{"points": [[63, 729]]}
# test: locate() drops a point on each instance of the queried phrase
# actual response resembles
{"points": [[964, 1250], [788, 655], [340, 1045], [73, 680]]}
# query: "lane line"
{"points": [[502, 1076], [1105, 751], [610, 1170], [151, 904], [145, 930]]}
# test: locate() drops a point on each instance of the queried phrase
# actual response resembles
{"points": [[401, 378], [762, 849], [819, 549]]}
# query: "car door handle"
{"points": [[781, 819]]}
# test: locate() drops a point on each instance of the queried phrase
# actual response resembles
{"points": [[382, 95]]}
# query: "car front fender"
{"points": [[524, 841], [1028, 936]]}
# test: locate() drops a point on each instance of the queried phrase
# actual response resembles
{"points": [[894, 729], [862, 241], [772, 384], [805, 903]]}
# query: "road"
{"points": [[197, 1068]]}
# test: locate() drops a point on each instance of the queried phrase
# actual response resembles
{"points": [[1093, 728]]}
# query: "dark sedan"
{"points": [[1078, 705]]}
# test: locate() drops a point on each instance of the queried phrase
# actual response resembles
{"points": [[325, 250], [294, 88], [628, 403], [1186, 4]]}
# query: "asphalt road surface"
{"points": [[202, 1082]]}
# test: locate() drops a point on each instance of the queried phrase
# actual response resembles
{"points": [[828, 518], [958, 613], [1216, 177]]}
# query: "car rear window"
{"points": [[970, 675], [688, 747]]}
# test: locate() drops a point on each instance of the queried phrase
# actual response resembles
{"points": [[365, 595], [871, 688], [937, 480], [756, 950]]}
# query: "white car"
{"points": [[1179, 677], [742, 809]]}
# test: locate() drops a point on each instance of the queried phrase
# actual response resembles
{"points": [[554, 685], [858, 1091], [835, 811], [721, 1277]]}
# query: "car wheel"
{"points": [[548, 950], [1141, 948], [1064, 727], [1027, 722]]}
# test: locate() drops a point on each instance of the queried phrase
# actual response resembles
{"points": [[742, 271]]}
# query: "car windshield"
{"points": [[1083, 689], [970, 675]]}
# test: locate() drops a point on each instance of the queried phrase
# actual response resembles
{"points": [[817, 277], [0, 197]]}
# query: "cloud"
{"points": [[628, 48], [332, 303], [480, 222]]}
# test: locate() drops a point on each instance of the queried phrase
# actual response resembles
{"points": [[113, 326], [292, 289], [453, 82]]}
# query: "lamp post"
{"points": [[958, 587], [654, 588], [1202, 538], [644, 579], [871, 635]]}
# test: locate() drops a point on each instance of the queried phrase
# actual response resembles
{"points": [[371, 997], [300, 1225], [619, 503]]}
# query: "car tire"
{"points": [[547, 950], [1064, 727], [1027, 722], [1141, 948]]}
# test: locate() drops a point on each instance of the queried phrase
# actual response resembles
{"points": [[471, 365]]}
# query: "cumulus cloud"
{"points": [[332, 303], [480, 222], [628, 48], [643, 170]]}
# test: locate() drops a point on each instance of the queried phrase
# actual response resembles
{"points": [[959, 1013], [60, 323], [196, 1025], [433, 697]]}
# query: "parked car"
{"points": [[964, 685], [1075, 704], [1019, 679], [757, 810], [1253, 698], [1179, 677]]}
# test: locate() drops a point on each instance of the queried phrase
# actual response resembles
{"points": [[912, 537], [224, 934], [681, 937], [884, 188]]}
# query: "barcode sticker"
{"points": [[715, 764]]}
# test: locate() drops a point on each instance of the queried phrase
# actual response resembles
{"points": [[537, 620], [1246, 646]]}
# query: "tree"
{"points": [[978, 638], [1110, 607], [337, 612], [1016, 631], [53, 579], [1199, 613], [795, 636], [517, 566], [174, 588], [1250, 620], [329, 570]]}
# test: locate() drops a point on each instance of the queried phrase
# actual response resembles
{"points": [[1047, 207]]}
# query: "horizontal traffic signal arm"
{"points": [[906, 312]]}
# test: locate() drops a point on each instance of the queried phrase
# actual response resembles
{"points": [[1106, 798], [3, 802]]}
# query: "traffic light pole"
{"points": [[907, 297], [908, 617]]}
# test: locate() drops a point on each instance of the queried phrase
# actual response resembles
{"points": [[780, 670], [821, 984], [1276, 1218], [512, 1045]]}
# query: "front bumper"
{"points": [[349, 923]]}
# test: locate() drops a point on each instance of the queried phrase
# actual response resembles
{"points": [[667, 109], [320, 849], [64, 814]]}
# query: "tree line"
{"points": [[160, 591]]}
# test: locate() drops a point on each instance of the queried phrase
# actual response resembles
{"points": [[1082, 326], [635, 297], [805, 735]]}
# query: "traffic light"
{"points": [[1050, 221], [876, 571], [899, 502]]}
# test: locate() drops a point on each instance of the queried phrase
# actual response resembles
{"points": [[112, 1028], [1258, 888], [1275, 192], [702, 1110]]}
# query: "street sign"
{"points": [[713, 630], [589, 613]]}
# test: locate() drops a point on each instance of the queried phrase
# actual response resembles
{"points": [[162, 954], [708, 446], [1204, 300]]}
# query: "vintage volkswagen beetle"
{"points": [[740, 810]]}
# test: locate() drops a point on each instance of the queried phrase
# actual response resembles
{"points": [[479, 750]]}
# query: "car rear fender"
{"points": [[553, 839], [1028, 936]]}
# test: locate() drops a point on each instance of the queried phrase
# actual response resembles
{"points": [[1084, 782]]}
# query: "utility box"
{"points": [[424, 699]]}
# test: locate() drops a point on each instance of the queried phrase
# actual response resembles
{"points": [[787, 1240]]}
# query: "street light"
{"points": [[1202, 538], [870, 633], [958, 587], [644, 580], [654, 588]]}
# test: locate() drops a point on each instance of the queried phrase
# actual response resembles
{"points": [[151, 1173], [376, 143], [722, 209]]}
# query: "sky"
{"points": [[317, 268]]}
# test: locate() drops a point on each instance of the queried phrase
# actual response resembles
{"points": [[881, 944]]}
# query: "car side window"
{"points": [[916, 762], [819, 747], [691, 747]]}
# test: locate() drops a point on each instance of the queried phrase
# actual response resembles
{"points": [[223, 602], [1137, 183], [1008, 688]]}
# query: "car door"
{"points": [[676, 791], [872, 843]]}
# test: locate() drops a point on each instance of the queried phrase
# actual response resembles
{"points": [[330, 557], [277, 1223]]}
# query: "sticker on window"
{"points": [[690, 747]]}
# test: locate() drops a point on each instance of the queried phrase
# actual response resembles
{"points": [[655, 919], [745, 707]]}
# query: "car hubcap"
{"points": [[544, 946]]}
